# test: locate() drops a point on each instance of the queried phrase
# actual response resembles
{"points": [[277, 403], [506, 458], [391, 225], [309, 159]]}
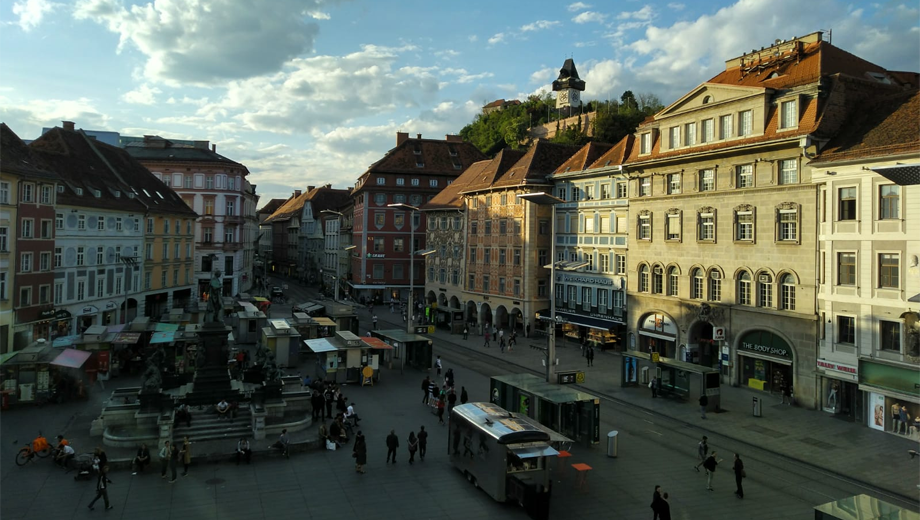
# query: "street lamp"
{"points": [[545, 199], [410, 310]]}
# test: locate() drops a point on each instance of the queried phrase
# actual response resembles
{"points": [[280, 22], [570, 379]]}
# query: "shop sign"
{"points": [[659, 323], [586, 279], [764, 342], [46, 314], [376, 255], [110, 305], [62, 315], [89, 309], [839, 367], [718, 333]]}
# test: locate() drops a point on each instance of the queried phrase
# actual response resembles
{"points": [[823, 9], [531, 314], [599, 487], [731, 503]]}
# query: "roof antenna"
{"points": [[830, 36]]}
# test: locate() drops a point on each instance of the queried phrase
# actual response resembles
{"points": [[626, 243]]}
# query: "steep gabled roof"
{"points": [[583, 158], [326, 197], [493, 170], [109, 177], [17, 159], [291, 207], [158, 149], [884, 128], [540, 161], [450, 197], [271, 206], [616, 154]]}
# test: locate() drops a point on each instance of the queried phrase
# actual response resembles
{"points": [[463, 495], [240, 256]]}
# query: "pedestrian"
{"points": [[463, 396], [282, 443], [710, 465], [173, 462], [328, 399], [413, 447], [738, 468], [656, 503], [466, 332], [512, 340], [787, 393], [100, 459], [243, 450], [140, 460], [501, 345], [701, 451], [896, 417], [432, 392], [392, 444], [501, 337], [665, 513], [451, 400], [426, 387], [527, 331], [186, 453], [590, 356], [164, 459], [437, 364], [441, 410], [653, 384], [449, 378], [375, 322], [359, 452], [422, 443], [102, 489], [316, 400], [704, 402], [486, 336]]}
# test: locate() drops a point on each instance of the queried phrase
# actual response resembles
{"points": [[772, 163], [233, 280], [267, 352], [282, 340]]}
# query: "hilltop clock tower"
{"points": [[568, 86]]}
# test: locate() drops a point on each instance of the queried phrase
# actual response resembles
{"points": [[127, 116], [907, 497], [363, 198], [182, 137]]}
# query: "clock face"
{"points": [[562, 96], [575, 97]]}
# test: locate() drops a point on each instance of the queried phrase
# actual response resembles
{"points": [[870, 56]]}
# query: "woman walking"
{"points": [[186, 454], [738, 468], [441, 410], [360, 452], [413, 447]]}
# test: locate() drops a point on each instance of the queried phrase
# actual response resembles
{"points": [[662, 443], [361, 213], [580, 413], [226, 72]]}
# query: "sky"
{"points": [[311, 92]]}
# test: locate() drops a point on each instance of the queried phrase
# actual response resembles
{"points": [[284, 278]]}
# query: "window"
{"points": [[100, 223], [165, 255], [58, 256], [645, 143], [586, 299], [744, 288], [707, 131], [25, 264], [501, 285], [621, 190], [889, 202], [177, 251], [673, 183], [673, 281], [59, 221], [25, 296], [846, 268], [4, 239], [81, 221], [673, 231], [229, 235], [645, 186], [605, 191], [707, 180], [100, 287], [715, 286], [488, 229], [657, 280], [745, 123], [744, 226], [517, 256], [208, 234], [58, 293], [472, 254], [380, 199], [707, 227], [696, 284], [889, 335], [888, 271], [188, 250], [46, 194], [231, 208], [674, 137], [589, 223], [28, 192], [744, 175], [400, 181], [46, 229], [163, 278], [789, 171], [765, 290], [645, 227], [137, 224], [432, 182], [846, 330], [81, 253], [148, 251], [379, 244], [28, 226], [643, 278], [380, 219], [787, 293], [502, 227], [576, 193], [188, 182], [4, 193], [149, 225], [485, 283], [689, 134], [398, 245], [81, 290], [99, 259], [788, 225], [541, 288], [789, 116], [589, 192], [605, 224], [487, 256], [620, 261], [502, 257], [209, 182], [725, 127], [208, 206], [148, 280]]}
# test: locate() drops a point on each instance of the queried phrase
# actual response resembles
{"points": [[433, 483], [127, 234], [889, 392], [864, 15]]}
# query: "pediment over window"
{"points": [[787, 205], [744, 207], [708, 95]]}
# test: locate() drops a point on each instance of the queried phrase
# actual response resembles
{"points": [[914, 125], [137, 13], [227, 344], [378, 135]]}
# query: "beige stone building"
{"points": [[721, 267]]}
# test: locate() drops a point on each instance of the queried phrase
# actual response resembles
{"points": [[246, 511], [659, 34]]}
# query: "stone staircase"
{"points": [[206, 425]]}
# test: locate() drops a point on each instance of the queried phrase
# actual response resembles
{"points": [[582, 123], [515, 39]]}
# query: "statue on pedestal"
{"points": [[151, 380], [215, 303]]}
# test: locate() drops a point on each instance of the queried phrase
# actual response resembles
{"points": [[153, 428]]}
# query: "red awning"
{"points": [[71, 358], [377, 343]]}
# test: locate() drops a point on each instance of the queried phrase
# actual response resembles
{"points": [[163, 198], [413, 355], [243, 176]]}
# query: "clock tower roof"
{"points": [[568, 77]]}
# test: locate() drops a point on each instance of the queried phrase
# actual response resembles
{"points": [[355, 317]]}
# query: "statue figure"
{"points": [[272, 373], [157, 358], [151, 380], [261, 355], [215, 305], [200, 359]]}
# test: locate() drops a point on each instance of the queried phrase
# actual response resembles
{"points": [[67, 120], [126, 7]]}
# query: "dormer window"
{"points": [[419, 164], [645, 141], [381, 181], [60, 188], [452, 150], [789, 114], [417, 150], [78, 191], [97, 193]]}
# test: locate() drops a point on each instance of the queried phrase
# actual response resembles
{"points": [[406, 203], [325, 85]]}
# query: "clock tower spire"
{"points": [[568, 86]]}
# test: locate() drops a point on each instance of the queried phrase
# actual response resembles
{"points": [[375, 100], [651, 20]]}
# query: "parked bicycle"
{"points": [[39, 447]]}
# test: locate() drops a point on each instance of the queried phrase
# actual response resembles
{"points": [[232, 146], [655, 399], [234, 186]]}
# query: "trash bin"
{"points": [[612, 443], [758, 407]]}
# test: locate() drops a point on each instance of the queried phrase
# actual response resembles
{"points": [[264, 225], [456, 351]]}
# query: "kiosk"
{"points": [[284, 341], [248, 323], [413, 349]]}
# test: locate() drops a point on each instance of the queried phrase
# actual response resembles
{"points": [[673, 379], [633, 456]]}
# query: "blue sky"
{"points": [[308, 92]]}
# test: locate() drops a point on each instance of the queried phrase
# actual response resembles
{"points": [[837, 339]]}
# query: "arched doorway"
{"points": [[517, 320], [701, 349], [430, 298], [501, 317], [658, 333], [442, 301], [471, 314], [455, 303], [485, 315]]}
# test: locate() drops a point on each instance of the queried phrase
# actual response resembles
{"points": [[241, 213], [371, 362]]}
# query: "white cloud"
{"points": [[674, 6], [469, 78], [31, 13], [27, 117], [539, 25], [319, 15], [578, 6], [543, 75], [590, 17], [498, 38], [200, 102], [447, 53], [208, 42], [584, 44], [472, 38], [603, 79], [646, 13], [142, 95]]}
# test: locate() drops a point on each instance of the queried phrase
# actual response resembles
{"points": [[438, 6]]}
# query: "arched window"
{"points": [[715, 286], [643, 278], [658, 280], [672, 281], [696, 284], [788, 292], [765, 290], [744, 288]]}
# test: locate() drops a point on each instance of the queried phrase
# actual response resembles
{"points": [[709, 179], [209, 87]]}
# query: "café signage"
{"points": [[763, 342], [839, 367]]}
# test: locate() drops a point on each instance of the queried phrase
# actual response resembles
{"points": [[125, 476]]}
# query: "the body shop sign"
{"points": [[767, 343]]}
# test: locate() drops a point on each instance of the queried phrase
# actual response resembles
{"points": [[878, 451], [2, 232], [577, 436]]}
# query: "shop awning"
{"points": [[535, 451], [166, 327], [115, 328], [584, 321], [126, 338], [319, 345], [380, 287], [64, 341], [901, 174], [324, 322], [6, 357], [377, 343], [163, 337], [71, 358]]}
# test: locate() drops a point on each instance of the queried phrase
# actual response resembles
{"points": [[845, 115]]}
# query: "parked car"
{"points": [[277, 292]]}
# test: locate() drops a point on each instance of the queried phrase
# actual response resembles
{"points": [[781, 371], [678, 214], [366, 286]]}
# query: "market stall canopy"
{"points": [[324, 322], [6, 357], [126, 338], [71, 358], [377, 343], [64, 341], [319, 345], [535, 451], [166, 327], [248, 307], [163, 337], [115, 328]]}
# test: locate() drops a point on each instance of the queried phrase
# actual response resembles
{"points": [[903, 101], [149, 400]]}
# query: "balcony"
{"points": [[232, 246]]}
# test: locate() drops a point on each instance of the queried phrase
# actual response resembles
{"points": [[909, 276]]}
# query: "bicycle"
{"points": [[38, 447]]}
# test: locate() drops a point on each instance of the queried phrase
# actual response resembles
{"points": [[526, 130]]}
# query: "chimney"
{"points": [[328, 186], [310, 188], [418, 136], [401, 137], [214, 148], [68, 125], [453, 138], [296, 193]]}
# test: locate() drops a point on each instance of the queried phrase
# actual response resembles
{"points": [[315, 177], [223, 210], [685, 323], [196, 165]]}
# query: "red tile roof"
{"points": [[450, 197], [291, 207], [540, 161], [616, 155], [16, 158], [583, 158], [493, 170]]}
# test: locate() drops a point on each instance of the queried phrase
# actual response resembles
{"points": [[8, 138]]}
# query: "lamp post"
{"points": [[411, 309]]}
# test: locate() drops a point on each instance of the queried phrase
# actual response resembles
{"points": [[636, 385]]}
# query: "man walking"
{"points": [[422, 443], [102, 489], [704, 402], [375, 322], [738, 468], [710, 464], [437, 364], [466, 332], [590, 356], [463, 395], [701, 451], [165, 452], [487, 337], [392, 444], [426, 387]]}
